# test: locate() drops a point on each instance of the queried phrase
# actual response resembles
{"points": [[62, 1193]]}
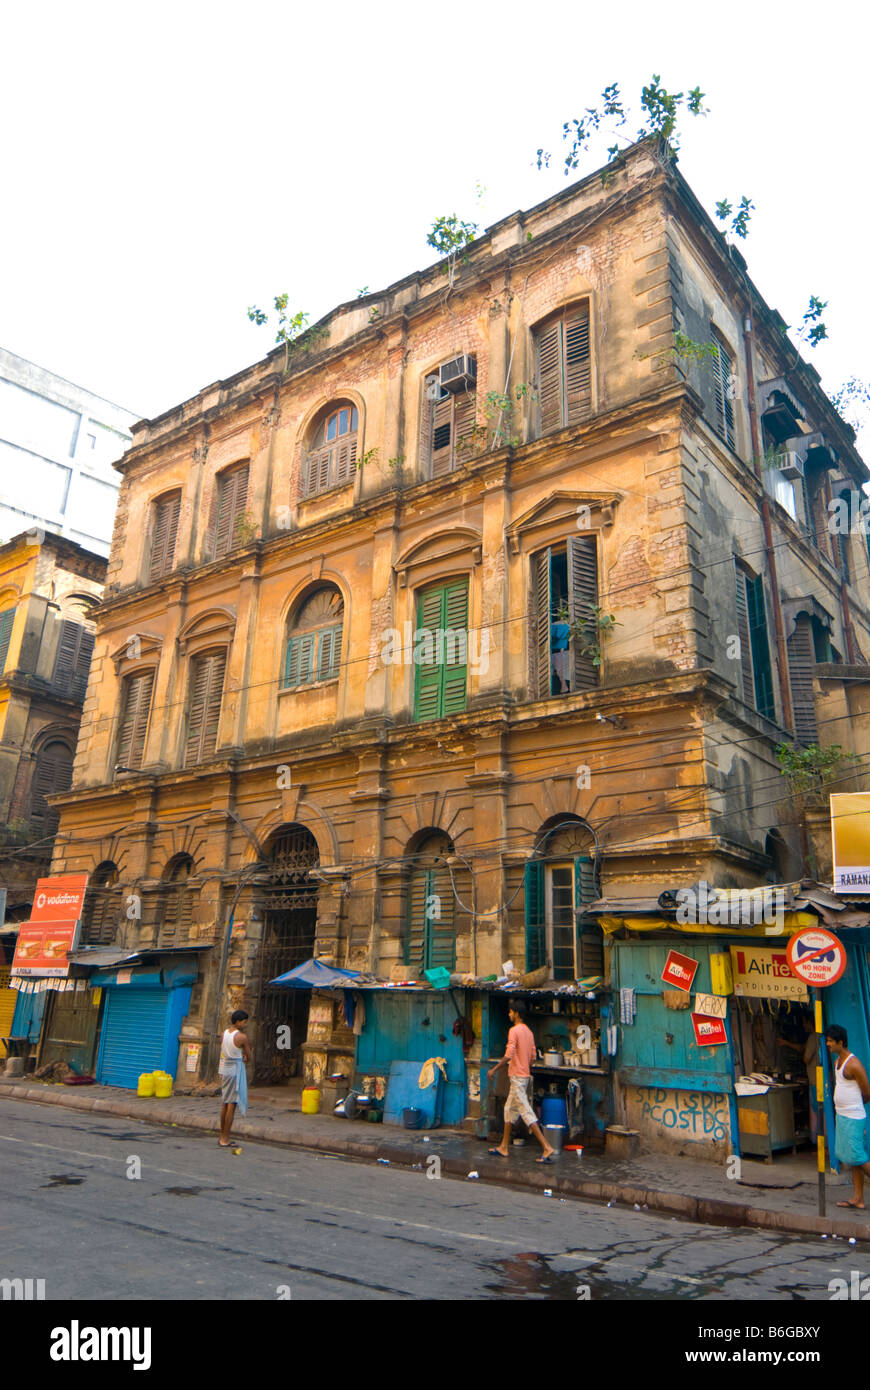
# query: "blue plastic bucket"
{"points": [[554, 1111]]}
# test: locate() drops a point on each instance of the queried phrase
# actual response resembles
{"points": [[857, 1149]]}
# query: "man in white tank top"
{"points": [[851, 1090], [235, 1053]]}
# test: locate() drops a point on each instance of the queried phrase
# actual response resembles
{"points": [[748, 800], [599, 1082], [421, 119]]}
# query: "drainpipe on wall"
{"points": [[755, 433]]}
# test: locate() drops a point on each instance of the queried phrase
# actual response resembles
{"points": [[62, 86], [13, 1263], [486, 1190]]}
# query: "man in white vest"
{"points": [[235, 1054]]}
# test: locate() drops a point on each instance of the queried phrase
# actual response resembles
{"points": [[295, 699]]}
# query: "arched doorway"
{"points": [[289, 926]]}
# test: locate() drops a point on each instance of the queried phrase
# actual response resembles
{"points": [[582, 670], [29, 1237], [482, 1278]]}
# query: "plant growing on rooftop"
{"points": [[292, 329], [449, 236]]}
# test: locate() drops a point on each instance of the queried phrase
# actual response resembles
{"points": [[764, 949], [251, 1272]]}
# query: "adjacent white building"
{"points": [[57, 446]]}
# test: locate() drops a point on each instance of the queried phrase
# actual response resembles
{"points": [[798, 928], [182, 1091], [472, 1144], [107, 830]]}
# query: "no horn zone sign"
{"points": [[816, 956]]}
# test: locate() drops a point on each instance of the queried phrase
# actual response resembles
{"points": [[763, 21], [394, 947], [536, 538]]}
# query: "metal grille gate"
{"points": [[290, 921]]}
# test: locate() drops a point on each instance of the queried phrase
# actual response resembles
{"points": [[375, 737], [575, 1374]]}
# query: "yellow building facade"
{"points": [[480, 607]]}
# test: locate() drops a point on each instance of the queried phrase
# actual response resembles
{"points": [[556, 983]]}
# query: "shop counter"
{"points": [[767, 1122]]}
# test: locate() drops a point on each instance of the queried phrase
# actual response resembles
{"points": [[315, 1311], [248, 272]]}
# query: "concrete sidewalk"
{"points": [[781, 1196]]}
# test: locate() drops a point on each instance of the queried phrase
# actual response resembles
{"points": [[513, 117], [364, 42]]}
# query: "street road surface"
{"points": [[201, 1223]]}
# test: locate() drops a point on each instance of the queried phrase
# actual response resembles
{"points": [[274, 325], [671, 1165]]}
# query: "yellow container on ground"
{"points": [[310, 1101], [162, 1084], [146, 1084]]}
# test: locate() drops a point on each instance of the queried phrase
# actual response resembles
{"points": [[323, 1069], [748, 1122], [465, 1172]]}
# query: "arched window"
{"points": [[176, 911], [313, 650], [331, 455], [53, 773], [560, 883], [563, 369], [430, 932], [102, 906]]}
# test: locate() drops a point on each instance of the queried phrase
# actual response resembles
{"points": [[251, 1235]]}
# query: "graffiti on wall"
{"points": [[698, 1115]]}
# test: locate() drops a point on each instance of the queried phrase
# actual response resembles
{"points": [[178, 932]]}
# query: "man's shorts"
{"points": [[517, 1105]]}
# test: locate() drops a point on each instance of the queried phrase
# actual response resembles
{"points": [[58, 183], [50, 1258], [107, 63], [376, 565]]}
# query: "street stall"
{"points": [[571, 1078], [716, 1045]]}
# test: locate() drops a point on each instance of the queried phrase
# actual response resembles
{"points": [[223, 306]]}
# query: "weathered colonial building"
{"points": [[48, 593], [355, 678]]}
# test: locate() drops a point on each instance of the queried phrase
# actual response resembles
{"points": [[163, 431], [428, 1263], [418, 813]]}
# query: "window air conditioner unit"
{"points": [[458, 375], [787, 464]]}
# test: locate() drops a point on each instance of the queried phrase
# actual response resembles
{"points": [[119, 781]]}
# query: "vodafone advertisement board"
{"points": [[53, 930]]}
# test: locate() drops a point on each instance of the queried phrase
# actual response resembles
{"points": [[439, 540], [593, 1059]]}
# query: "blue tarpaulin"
{"points": [[315, 974]]}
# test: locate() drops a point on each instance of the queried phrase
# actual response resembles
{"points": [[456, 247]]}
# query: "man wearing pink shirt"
{"points": [[518, 1057]]}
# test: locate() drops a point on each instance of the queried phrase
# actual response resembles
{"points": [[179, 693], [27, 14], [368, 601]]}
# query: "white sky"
{"points": [[166, 165]]}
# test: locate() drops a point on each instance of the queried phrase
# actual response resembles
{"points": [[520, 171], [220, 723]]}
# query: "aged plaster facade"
{"points": [[302, 777], [48, 594]]}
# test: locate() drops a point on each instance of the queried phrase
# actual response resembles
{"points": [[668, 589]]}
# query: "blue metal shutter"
{"points": [[133, 1033]]}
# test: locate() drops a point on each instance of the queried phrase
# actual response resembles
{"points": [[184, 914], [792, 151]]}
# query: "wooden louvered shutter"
{"points": [[415, 933], [345, 459], [590, 936], [722, 369], [329, 654], [67, 653], [577, 366], [53, 773], [582, 601], [83, 664], [761, 668], [301, 653], [535, 916], [427, 407], [209, 551], [207, 683], [548, 346], [464, 418], [441, 930], [166, 514], [442, 437], [540, 635], [428, 694], [134, 721], [455, 648], [743, 638], [232, 497], [801, 660], [6, 621]]}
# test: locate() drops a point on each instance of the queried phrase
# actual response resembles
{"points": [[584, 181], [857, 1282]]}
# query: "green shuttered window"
{"points": [[441, 651], [313, 651], [430, 934]]}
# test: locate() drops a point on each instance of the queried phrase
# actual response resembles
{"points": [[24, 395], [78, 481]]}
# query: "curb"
{"points": [[710, 1211]]}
